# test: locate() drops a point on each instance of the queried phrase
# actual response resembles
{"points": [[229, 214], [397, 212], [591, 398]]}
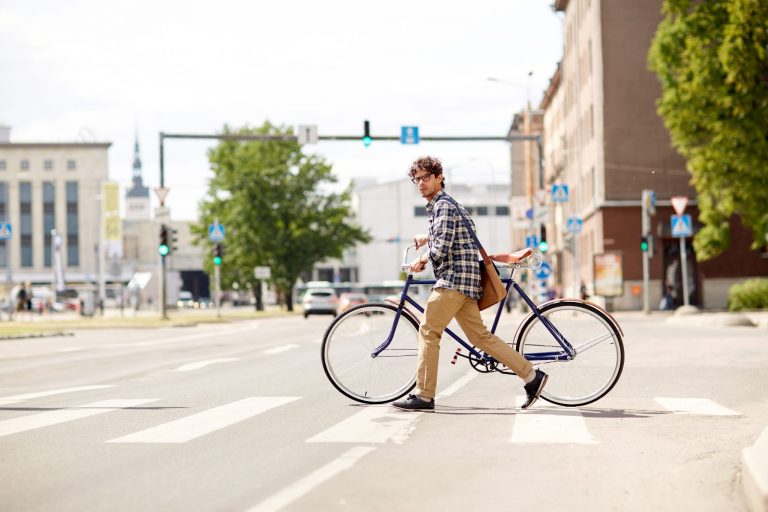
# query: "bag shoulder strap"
{"points": [[468, 225]]}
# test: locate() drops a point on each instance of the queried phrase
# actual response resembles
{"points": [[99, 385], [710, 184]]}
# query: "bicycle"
{"points": [[369, 352]]}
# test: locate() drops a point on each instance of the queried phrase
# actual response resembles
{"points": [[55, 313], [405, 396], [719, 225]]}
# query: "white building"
{"points": [[394, 211], [46, 186]]}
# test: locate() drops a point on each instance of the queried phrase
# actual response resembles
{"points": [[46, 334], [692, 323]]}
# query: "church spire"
{"points": [[136, 162]]}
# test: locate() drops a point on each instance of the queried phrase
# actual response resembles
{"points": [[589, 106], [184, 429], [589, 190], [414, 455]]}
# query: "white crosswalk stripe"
{"points": [[205, 422], [48, 418], [371, 425], [699, 406], [550, 425]]}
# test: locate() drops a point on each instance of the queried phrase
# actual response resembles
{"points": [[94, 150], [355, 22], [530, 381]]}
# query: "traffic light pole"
{"points": [[163, 307], [646, 257], [217, 289]]}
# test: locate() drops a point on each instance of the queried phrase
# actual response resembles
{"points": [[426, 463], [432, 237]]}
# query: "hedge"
{"points": [[751, 294]]}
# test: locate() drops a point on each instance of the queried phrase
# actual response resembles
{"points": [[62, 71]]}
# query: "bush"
{"points": [[751, 294]]}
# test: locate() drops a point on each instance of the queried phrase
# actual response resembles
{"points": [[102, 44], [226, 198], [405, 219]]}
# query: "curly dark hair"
{"points": [[430, 164]]}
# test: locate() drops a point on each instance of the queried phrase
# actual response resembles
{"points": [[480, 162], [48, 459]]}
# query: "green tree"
{"points": [[710, 57], [276, 205]]}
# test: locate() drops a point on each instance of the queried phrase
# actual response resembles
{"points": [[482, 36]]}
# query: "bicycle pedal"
{"points": [[456, 356]]}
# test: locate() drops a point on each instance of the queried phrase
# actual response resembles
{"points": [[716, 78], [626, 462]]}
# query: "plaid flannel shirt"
{"points": [[451, 250]]}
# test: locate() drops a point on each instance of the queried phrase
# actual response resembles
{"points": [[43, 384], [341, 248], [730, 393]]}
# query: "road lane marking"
{"points": [[45, 419], [700, 406], [280, 349], [301, 487], [203, 335], [202, 423], [549, 426], [41, 394], [202, 364], [374, 424]]}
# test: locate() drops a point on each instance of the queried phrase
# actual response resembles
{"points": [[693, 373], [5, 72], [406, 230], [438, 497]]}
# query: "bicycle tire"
{"points": [[349, 342], [592, 373]]}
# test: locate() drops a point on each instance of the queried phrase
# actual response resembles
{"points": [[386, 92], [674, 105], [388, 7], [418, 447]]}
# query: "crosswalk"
{"points": [[372, 425]]}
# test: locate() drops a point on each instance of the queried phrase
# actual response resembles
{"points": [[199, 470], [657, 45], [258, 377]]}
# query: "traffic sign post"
{"points": [[574, 225], [559, 193], [648, 208], [682, 228]]}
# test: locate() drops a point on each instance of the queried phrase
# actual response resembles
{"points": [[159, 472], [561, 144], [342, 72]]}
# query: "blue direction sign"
{"points": [[532, 241], [216, 232], [409, 134], [544, 270], [681, 226], [559, 193], [5, 230], [574, 224]]}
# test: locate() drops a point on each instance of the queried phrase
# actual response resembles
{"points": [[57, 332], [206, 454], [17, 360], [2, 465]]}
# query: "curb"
{"points": [[754, 474]]}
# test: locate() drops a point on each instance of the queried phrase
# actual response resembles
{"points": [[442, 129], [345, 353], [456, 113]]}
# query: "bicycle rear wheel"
{"points": [[599, 358], [347, 351]]}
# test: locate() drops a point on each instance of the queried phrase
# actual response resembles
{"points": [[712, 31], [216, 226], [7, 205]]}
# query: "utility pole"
{"points": [[648, 207]]}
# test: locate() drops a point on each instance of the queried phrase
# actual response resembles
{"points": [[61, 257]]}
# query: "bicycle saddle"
{"points": [[512, 257]]}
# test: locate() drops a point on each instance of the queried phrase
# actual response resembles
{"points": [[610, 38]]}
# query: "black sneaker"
{"points": [[534, 388], [414, 403]]}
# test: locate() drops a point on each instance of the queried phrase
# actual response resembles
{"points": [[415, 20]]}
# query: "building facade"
{"points": [[49, 193], [394, 212], [604, 140]]}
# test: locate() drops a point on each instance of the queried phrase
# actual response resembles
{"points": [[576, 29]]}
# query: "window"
{"points": [[48, 165], [2, 165], [502, 211], [73, 238], [71, 165], [25, 221], [482, 211], [470, 209], [419, 211], [3, 218], [25, 165], [49, 221]]}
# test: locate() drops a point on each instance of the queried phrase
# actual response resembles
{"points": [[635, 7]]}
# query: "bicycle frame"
{"points": [[566, 354]]}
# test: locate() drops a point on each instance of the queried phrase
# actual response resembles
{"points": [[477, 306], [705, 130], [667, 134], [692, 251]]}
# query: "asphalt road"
{"points": [[240, 417]]}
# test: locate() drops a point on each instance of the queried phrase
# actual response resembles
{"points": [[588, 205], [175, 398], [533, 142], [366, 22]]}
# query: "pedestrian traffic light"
{"points": [[367, 139], [163, 248], [543, 244], [644, 243], [218, 252]]}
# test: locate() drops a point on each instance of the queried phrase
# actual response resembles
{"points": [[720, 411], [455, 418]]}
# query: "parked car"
{"points": [[186, 300], [319, 301], [349, 299]]}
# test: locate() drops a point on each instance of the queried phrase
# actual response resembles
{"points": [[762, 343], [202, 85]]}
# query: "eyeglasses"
{"points": [[424, 177]]}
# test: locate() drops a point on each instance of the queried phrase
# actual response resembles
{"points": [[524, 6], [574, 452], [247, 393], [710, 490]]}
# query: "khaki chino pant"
{"points": [[442, 306]]}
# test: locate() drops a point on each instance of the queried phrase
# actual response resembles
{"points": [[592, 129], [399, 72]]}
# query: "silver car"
{"points": [[319, 301]]}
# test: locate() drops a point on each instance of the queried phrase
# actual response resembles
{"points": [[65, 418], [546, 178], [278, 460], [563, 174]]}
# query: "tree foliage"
{"points": [[710, 57], [271, 199]]}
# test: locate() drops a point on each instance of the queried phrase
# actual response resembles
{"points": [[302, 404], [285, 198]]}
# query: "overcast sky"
{"points": [[100, 70]]}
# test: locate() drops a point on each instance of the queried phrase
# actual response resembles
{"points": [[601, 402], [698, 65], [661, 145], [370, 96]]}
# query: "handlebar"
{"points": [[533, 261]]}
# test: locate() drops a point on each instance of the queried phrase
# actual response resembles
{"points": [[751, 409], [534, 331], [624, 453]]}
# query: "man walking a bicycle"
{"points": [[454, 259]]}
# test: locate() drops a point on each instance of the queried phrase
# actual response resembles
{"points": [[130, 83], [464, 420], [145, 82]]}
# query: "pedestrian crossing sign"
{"points": [[681, 226], [216, 232], [559, 193], [5, 230]]}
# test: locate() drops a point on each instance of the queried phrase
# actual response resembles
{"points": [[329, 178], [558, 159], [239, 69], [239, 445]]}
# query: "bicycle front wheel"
{"points": [[599, 358], [348, 347]]}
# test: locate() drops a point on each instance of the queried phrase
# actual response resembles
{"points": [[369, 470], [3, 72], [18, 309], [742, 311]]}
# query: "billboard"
{"points": [[609, 276]]}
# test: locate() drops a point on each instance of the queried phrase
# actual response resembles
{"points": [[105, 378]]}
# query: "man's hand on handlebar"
{"points": [[420, 240], [418, 265]]}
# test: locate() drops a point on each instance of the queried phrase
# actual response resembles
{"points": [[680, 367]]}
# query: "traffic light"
{"points": [[644, 245], [218, 252], [543, 244], [163, 248], [367, 139]]}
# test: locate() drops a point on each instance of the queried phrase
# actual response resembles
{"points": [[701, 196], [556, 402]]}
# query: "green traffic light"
{"points": [[644, 246], [367, 141], [543, 246], [163, 250], [217, 260]]}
